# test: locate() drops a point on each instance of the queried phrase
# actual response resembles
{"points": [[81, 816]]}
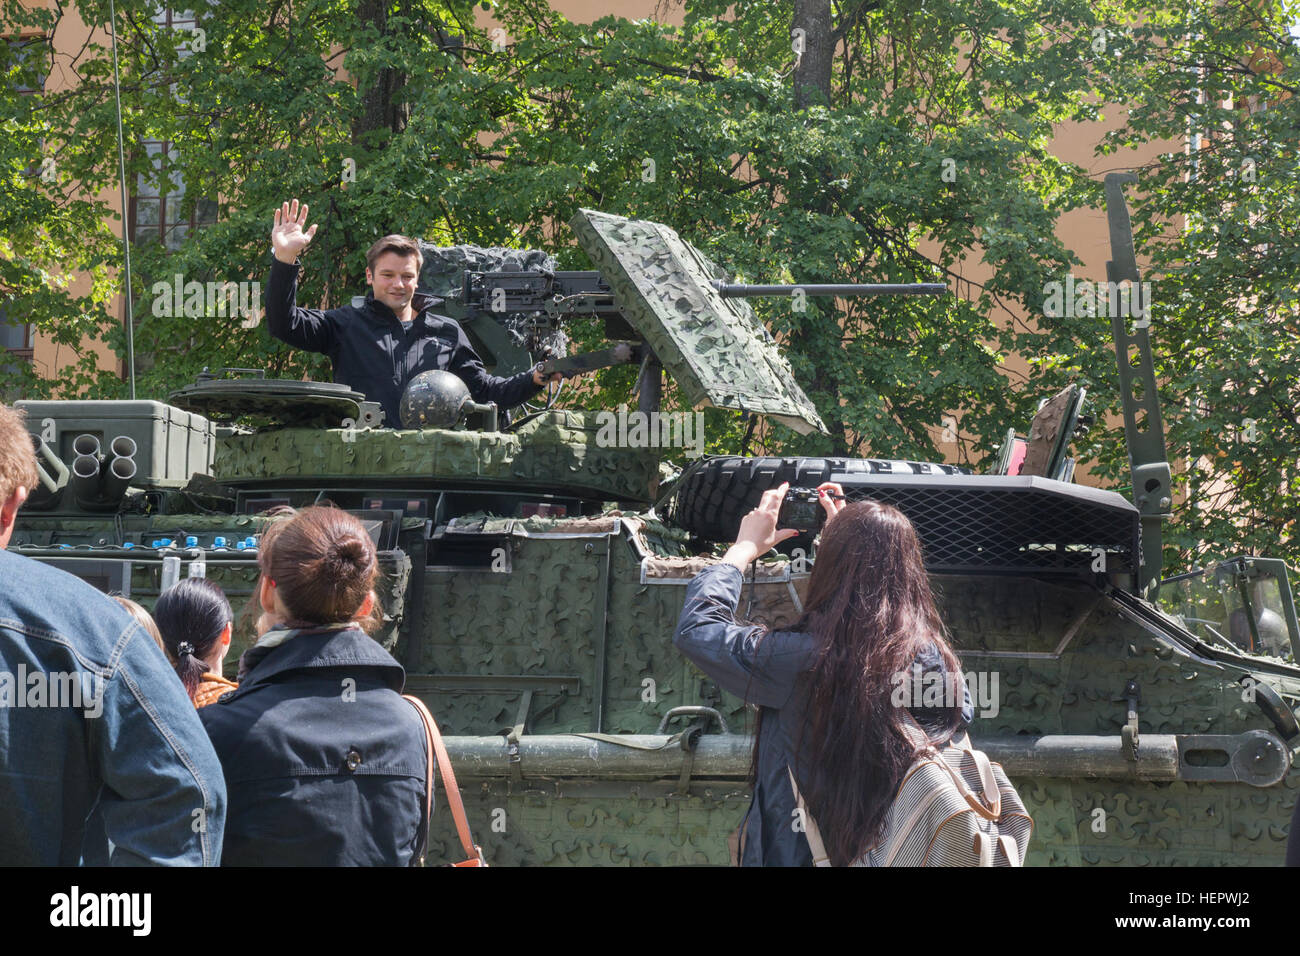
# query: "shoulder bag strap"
{"points": [[1010, 848], [428, 782], [991, 806], [436, 748], [810, 829]]}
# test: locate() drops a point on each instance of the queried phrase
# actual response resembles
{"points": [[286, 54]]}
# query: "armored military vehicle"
{"points": [[535, 570]]}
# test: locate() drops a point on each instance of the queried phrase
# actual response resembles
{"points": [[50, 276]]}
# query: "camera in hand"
{"points": [[801, 510]]}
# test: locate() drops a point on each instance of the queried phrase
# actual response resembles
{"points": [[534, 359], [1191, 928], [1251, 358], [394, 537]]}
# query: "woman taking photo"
{"points": [[827, 693], [324, 761]]}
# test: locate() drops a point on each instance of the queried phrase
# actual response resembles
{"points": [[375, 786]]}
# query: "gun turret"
{"points": [[665, 307], [518, 317], [534, 304]]}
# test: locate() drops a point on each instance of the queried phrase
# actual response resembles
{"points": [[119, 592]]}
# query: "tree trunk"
{"points": [[382, 105], [812, 30]]}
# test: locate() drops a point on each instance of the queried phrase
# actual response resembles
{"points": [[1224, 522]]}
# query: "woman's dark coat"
{"points": [[324, 761]]}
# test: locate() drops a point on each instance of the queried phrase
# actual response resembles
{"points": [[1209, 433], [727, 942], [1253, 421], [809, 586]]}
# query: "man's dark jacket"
{"points": [[373, 354], [324, 761]]}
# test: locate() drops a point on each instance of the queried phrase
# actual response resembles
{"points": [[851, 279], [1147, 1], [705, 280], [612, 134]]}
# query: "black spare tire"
{"points": [[715, 494]]}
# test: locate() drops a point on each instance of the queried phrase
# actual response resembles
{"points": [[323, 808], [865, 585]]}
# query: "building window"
{"points": [[26, 64], [155, 213], [18, 339], [27, 52], [156, 210], [177, 19], [17, 343]]}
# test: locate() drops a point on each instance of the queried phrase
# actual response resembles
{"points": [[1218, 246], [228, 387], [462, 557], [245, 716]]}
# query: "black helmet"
{"points": [[433, 400]]}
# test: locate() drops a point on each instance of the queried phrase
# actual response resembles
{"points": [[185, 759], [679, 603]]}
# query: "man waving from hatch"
{"points": [[379, 347]]}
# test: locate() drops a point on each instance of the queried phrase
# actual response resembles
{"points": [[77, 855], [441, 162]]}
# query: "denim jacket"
{"points": [[765, 671], [93, 718]]}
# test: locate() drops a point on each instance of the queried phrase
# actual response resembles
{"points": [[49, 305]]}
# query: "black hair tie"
{"points": [[183, 648]]}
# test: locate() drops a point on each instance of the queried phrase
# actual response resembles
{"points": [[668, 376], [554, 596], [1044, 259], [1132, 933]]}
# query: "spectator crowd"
{"points": [[122, 743]]}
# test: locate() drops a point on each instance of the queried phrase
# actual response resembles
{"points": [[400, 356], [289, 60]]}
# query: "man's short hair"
{"points": [[398, 244], [17, 455]]}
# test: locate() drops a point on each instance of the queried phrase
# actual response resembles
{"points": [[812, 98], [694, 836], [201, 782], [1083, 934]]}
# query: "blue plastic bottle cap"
{"points": [[191, 541], [241, 545], [128, 544], [218, 542]]}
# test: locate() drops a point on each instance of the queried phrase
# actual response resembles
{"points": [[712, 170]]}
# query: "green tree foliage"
{"points": [[916, 145], [919, 146], [1220, 223], [50, 232]]}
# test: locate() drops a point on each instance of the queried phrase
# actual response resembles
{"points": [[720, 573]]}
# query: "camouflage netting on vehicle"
{"points": [[591, 826], [557, 450], [445, 266], [715, 349]]}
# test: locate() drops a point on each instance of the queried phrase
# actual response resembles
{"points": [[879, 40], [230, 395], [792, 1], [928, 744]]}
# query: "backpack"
{"points": [[954, 807]]}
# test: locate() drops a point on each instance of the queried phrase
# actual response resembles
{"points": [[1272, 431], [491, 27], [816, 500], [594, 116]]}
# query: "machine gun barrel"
{"points": [[732, 291]]}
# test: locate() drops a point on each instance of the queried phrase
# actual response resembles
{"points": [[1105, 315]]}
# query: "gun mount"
{"points": [[666, 306]]}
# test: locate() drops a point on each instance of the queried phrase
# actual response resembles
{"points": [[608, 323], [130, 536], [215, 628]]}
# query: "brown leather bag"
{"points": [[435, 748]]}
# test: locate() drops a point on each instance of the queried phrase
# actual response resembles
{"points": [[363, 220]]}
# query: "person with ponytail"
{"points": [[324, 761], [195, 621], [830, 711]]}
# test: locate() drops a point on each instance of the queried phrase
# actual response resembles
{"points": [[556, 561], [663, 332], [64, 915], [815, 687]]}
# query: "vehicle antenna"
{"points": [[121, 170]]}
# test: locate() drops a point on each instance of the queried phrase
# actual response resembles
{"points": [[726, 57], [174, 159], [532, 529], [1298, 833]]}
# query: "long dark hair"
{"points": [[193, 613], [870, 604]]}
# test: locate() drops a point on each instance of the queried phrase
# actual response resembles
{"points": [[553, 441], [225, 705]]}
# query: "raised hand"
{"points": [[288, 239], [831, 497], [758, 532]]}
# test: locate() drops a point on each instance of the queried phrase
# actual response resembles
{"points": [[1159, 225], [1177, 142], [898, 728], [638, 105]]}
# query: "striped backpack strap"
{"points": [[954, 807]]}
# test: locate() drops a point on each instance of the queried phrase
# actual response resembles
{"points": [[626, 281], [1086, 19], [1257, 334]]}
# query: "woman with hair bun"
{"points": [[195, 621], [324, 761]]}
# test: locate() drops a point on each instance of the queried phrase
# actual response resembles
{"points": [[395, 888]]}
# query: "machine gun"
{"points": [[519, 317]]}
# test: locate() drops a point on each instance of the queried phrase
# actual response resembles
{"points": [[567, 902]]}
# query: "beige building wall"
{"points": [[48, 357], [1083, 231]]}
